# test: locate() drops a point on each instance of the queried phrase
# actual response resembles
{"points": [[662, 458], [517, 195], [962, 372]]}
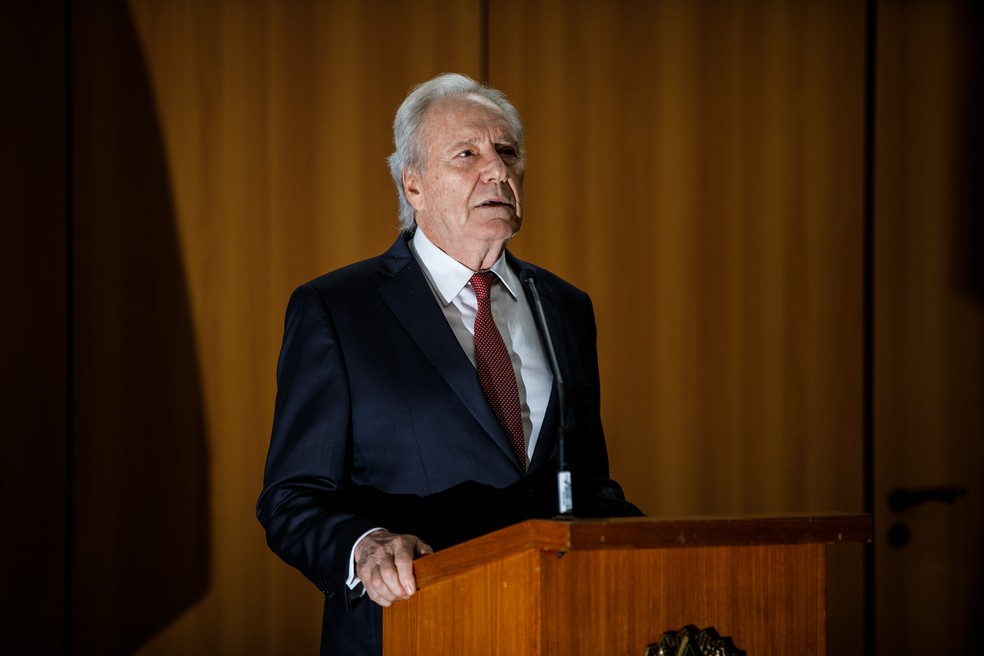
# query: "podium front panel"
{"points": [[769, 599]]}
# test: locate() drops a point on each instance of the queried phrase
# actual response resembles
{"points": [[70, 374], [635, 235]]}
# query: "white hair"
{"points": [[410, 152]]}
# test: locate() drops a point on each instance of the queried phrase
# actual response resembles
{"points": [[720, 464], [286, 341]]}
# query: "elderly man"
{"points": [[415, 405]]}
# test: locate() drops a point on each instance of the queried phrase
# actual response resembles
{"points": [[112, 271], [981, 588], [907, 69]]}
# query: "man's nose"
{"points": [[495, 169]]}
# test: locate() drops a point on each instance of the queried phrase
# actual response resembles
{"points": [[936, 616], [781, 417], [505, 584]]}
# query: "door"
{"points": [[929, 329]]}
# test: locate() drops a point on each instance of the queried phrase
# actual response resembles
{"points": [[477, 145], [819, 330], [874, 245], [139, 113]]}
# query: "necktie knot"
{"points": [[481, 282]]}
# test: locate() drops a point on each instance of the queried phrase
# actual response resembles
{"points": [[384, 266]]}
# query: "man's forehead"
{"points": [[464, 100], [467, 113]]}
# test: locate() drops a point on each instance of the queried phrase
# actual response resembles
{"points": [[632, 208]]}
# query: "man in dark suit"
{"points": [[416, 406]]}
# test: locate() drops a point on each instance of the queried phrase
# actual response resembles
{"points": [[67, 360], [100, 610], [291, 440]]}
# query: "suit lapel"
{"points": [[412, 302]]}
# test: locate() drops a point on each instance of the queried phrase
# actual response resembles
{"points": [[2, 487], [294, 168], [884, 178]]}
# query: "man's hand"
{"points": [[384, 563]]}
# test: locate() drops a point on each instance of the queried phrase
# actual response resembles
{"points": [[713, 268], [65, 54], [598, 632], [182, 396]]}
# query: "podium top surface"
{"points": [[562, 536]]}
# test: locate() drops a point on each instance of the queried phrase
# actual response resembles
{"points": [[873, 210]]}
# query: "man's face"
{"points": [[470, 189]]}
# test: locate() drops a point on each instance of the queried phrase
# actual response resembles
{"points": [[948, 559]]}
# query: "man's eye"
{"points": [[466, 153]]}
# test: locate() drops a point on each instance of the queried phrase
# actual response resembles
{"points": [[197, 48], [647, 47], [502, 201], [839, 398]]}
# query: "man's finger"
{"points": [[404, 567], [387, 575]]}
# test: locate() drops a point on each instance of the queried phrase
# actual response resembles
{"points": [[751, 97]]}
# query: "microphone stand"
{"points": [[565, 493]]}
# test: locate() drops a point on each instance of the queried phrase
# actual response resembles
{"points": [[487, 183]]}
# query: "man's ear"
{"points": [[411, 187]]}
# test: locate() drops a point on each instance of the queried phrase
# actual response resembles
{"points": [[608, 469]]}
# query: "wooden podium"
{"points": [[598, 587]]}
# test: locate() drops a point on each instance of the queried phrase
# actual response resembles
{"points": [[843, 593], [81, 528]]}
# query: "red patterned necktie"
{"points": [[495, 371]]}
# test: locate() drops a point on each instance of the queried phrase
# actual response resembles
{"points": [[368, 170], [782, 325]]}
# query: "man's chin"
{"points": [[501, 226]]}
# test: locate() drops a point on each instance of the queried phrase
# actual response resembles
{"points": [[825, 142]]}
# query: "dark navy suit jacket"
{"points": [[380, 421]]}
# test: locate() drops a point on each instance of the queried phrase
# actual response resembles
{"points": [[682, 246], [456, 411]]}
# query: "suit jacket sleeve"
{"points": [[302, 505]]}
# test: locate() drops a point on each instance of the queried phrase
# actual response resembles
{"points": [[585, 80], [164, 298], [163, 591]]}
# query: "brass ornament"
{"points": [[691, 641]]}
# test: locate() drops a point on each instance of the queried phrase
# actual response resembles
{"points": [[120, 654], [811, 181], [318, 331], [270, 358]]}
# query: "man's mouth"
{"points": [[495, 203]]}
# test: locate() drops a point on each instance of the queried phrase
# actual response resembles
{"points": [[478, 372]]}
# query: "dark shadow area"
{"points": [[140, 488], [33, 332], [968, 279], [968, 271]]}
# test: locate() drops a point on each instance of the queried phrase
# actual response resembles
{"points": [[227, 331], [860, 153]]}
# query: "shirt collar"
{"points": [[449, 276]]}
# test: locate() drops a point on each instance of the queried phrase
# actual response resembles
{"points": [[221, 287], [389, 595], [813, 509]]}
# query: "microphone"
{"points": [[565, 494]]}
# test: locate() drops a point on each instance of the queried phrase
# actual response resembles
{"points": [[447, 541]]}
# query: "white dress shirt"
{"points": [[513, 316]]}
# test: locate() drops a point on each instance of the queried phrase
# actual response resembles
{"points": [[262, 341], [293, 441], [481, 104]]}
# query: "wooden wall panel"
{"points": [[697, 167]]}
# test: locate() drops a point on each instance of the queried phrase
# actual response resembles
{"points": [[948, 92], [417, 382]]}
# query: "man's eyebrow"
{"points": [[464, 143], [498, 141]]}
